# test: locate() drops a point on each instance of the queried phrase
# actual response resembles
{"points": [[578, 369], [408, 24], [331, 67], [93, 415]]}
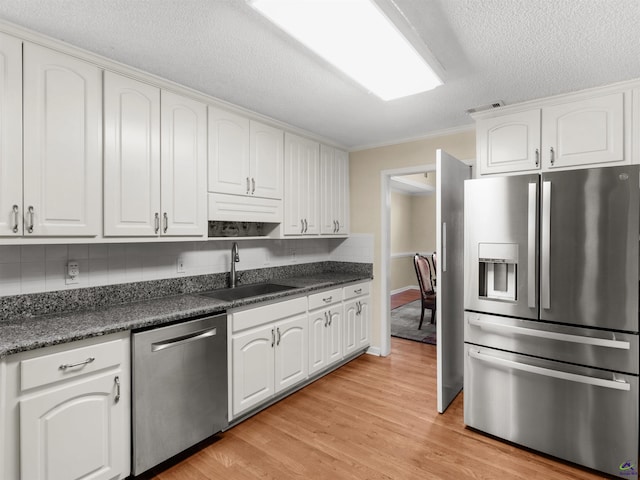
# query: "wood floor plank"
{"points": [[374, 418]]}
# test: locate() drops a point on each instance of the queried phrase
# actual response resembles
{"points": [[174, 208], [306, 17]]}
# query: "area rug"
{"points": [[405, 320]]}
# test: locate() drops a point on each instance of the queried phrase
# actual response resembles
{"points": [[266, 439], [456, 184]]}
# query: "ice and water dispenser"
{"points": [[498, 270]]}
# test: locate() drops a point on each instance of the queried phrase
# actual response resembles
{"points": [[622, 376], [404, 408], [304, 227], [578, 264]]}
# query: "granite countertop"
{"points": [[30, 332]]}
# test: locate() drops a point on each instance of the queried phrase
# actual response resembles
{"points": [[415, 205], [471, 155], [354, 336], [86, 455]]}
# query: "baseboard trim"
{"points": [[374, 351]]}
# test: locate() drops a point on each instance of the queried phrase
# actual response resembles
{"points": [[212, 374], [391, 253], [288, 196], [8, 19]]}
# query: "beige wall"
{"points": [[403, 273], [365, 169]]}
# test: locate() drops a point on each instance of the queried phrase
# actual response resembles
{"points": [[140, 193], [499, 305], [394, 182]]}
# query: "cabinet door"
{"points": [[363, 318], [328, 189], [585, 132], [334, 335], [253, 368], [228, 153], [62, 144], [301, 186], [291, 352], [510, 143], [131, 157], [183, 166], [341, 194], [318, 321], [10, 136], [266, 160], [74, 432], [350, 341]]}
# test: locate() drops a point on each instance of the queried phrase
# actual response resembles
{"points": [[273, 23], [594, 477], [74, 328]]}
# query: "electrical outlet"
{"points": [[180, 265], [73, 273]]}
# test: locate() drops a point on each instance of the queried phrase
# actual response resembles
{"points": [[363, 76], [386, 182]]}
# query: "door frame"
{"points": [[385, 235]]}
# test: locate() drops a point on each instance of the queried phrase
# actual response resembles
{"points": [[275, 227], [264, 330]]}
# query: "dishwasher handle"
{"points": [[192, 337]]}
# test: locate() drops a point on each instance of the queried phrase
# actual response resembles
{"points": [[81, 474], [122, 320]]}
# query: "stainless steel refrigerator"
{"points": [[551, 313]]}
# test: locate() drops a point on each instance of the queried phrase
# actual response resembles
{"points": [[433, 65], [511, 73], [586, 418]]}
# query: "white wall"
{"points": [[42, 268]]}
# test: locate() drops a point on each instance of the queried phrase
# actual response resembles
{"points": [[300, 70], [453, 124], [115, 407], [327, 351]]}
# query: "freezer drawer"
{"points": [[579, 414], [583, 346]]}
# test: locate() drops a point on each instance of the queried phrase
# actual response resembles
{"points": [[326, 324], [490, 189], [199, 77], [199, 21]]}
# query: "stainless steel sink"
{"points": [[246, 291]]}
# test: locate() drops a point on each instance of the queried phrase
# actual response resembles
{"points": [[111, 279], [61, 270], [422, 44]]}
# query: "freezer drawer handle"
{"points": [[564, 337], [174, 342], [547, 372]]}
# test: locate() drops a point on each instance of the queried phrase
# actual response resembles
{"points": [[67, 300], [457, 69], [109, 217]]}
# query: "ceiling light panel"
{"points": [[358, 39]]}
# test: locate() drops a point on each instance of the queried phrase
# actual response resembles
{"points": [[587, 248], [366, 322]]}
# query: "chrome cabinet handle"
{"points": [[553, 156], [537, 157], [157, 222], [338, 222], [358, 291], [548, 372], [301, 225], [306, 226], [279, 336], [327, 299], [329, 315], [16, 218], [335, 226], [358, 308], [30, 214], [117, 382], [273, 337], [253, 185], [326, 320], [166, 222], [64, 366], [248, 188]]}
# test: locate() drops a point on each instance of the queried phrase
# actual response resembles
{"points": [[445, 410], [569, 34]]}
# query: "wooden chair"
{"points": [[427, 292]]}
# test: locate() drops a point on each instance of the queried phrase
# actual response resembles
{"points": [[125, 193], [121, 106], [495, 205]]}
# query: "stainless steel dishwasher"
{"points": [[179, 388]]}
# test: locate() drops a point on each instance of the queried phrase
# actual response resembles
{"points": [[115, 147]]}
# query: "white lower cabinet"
{"points": [[325, 332], [356, 317], [269, 352], [68, 411]]}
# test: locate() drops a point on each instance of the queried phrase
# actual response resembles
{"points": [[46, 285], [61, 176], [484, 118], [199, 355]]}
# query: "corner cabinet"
{"points": [[152, 191], [68, 411], [301, 186], [334, 191], [50, 142], [589, 131]]}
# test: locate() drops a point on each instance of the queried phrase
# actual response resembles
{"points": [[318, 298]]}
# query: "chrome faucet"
{"points": [[235, 257]]}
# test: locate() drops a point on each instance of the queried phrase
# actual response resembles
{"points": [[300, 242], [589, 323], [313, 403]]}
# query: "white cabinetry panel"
{"points": [[62, 144], [132, 157], [10, 136], [301, 186], [228, 153]]}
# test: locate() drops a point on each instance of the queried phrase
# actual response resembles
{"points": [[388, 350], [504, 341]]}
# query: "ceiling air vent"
{"points": [[488, 106]]}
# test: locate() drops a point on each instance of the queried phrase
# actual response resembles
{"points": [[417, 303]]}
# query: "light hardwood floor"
{"points": [[402, 298], [374, 418]]}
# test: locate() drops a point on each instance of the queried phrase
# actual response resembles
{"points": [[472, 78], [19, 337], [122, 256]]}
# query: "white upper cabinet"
{"points": [[509, 143], [301, 186], [183, 165], [334, 191], [589, 131], [10, 136], [62, 144], [266, 155], [245, 156], [148, 193], [131, 157], [584, 133]]}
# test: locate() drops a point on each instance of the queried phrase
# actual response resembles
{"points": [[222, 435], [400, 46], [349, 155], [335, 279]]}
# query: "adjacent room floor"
{"points": [[374, 418]]}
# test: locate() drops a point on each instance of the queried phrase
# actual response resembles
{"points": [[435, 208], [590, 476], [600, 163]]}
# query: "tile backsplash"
{"points": [[43, 268]]}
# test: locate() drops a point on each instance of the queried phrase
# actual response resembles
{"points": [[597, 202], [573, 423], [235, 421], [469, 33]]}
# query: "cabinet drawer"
{"points": [[267, 313], [70, 363], [322, 299], [356, 290]]}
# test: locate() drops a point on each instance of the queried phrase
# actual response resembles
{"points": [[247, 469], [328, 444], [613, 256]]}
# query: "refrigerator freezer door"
{"points": [[583, 415], [501, 250], [589, 247]]}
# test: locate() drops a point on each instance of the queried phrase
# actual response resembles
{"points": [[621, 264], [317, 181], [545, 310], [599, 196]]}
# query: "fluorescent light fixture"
{"points": [[356, 37]]}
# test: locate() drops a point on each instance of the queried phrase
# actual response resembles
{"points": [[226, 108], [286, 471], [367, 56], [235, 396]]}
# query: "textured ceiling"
{"points": [[511, 50]]}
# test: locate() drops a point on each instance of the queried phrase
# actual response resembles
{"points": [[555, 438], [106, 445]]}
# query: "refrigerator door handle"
{"points": [[563, 337], [547, 372], [545, 294], [531, 245]]}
